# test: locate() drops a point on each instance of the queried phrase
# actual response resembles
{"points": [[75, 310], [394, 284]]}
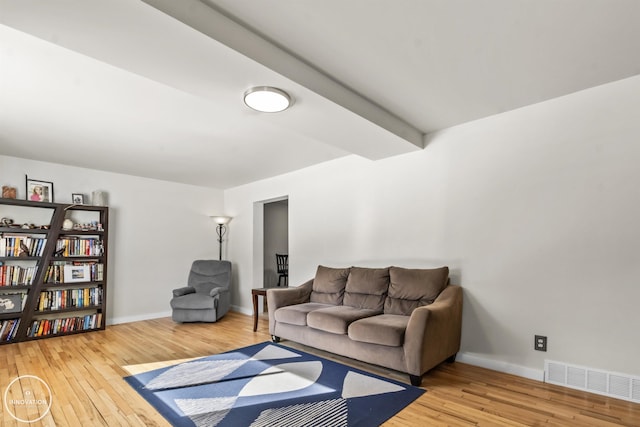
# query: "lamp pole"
{"points": [[220, 230]]}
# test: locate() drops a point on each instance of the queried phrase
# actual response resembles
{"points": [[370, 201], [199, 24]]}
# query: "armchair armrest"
{"points": [[217, 291], [221, 300], [282, 297], [183, 291], [433, 332]]}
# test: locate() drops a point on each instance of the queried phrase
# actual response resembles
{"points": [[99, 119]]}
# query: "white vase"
{"points": [[99, 198]]}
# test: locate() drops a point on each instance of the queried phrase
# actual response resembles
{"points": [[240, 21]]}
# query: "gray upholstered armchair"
{"points": [[206, 297]]}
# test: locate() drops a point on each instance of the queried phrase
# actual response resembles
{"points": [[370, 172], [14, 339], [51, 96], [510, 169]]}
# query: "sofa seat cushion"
{"points": [[366, 288], [384, 329], [413, 288], [297, 314], [328, 285], [193, 301], [337, 319]]}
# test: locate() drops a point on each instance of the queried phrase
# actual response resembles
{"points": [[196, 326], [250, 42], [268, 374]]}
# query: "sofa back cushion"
{"points": [[328, 285], [367, 288], [412, 288]]}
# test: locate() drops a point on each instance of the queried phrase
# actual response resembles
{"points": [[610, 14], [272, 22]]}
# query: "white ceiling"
{"points": [[154, 88]]}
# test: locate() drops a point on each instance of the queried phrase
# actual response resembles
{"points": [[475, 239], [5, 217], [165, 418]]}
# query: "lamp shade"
{"points": [[267, 99], [220, 219]]}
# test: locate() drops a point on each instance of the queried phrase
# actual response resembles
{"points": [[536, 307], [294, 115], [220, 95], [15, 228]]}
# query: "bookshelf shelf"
{"points": [[66, 310], [14, 230], [81, 233], [7, 316], [73, 285], [61, 334], [11, 288], [46, 240], [19, 258]]}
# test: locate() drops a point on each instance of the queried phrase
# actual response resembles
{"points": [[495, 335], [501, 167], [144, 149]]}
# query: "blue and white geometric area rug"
{"points": [[267, 385]]}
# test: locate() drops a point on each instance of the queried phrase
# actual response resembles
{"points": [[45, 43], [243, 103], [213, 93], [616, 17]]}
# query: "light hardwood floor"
{"points": [[85, 373]]}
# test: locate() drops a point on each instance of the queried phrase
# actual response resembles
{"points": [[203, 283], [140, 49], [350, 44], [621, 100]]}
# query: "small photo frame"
{"points": [[39, 191], [77, 198], [8, 192], [10, 303]]}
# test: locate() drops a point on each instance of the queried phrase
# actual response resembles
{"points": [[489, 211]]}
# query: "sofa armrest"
{"points": [[434, 331], [183, 291], [282, 297]]}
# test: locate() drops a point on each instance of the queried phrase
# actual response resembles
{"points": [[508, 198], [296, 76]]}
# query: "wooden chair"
{"points": [[282, 264]]}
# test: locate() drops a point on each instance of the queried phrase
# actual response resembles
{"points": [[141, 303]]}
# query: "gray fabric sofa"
{"points": [[206, 297], [408, 320]]}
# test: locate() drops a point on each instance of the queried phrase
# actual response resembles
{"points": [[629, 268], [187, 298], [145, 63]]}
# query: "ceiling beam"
{"points": [[223, 29]]}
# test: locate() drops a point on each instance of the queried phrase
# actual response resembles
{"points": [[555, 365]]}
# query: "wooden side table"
{"points": [[255, 292]]}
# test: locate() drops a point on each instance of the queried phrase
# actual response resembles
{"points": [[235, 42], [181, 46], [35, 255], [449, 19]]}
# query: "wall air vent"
{"points": [[613, 384], [635, 389]]}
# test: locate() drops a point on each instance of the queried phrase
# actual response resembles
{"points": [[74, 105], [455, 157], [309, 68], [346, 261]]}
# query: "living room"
{"points": [[534, 210]]}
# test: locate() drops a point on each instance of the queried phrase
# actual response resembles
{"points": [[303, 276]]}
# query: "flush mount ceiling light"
{"points": [[267, 99]]}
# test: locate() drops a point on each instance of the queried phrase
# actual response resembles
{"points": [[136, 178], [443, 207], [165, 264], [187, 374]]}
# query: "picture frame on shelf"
{"points": [[76, 273], [8, 192], [39, 191], [10, 303], [77, 198]]}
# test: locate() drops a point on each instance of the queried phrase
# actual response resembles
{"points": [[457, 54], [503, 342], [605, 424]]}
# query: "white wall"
{"points": [[157, 229], [535, 211]]}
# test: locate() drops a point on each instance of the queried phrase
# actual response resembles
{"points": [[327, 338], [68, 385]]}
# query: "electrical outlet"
{"points": [[540, 343]]}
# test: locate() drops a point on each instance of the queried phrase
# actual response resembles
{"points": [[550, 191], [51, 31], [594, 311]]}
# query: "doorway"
{"points": [[275, 239]]}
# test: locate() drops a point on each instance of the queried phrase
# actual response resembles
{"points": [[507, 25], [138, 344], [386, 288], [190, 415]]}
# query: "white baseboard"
{"points": [[146, 316], [496, 365], [239, 309], [149, 316]]}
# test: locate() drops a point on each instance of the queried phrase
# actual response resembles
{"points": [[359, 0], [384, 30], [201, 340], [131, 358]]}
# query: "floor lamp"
{"points": [[221, 229]]}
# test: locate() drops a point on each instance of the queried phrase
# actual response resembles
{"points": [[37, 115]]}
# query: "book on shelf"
{"points": [[3, 327], [79, 246], [69, 298], [44, 327], [8, 329], [15, 275], [74, 271], [21, 245]]}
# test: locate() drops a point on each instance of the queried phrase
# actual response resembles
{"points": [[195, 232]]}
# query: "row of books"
{"points": [[44, 327], [57, 272], [15, 275], [8, 329], [69, 298], [79, 246], [15, 246], [33, 246], [70, 272]]}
